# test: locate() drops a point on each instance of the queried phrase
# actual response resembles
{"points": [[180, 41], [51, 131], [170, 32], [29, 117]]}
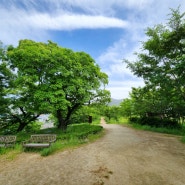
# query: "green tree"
{"points": [[162, 64], [52, 79], [145, 101], [6, 78], [127, 107], [111, 112], [82, 115]]}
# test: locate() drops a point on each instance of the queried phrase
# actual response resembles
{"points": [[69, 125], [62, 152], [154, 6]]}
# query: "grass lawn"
{"points": [[74, 136]]}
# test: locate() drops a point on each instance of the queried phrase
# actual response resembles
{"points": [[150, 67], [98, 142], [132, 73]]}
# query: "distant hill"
{"points": [[115, 102]]}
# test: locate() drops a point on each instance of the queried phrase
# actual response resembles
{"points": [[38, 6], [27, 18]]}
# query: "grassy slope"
{"points": [[75, 135]]}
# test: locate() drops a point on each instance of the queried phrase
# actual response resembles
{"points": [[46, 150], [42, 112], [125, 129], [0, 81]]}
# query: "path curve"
{"points": [[123, 156]]}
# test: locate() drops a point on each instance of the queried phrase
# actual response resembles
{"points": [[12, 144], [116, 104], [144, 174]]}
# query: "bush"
{"points": [[11, 129], [33, 127], [183, 139], [75, 135], [134, 120], [156, 122]]}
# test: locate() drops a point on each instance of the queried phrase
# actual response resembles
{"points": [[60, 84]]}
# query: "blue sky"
{"points": [[108, 30]]}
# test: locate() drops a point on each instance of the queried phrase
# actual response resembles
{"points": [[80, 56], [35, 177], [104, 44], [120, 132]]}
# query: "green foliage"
{"points": [[10, 153], [52, 149], [82, 114], [156, 122], [96, 119], [111, 112], [6, 78], [174, 131], [127, 107], [33, 127], [135, 122], [120, 120], [134, 119], [183, 139], [75, 135], [11, 129], [55, 80], [162, 66]]}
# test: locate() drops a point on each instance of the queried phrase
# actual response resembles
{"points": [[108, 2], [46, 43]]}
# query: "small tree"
{"points": [[111, 112], [127, 108]]}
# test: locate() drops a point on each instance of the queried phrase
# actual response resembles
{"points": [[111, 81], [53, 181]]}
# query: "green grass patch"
{"points": [[74, 136], [96, 121], [180, 131], [120, 120], [10, 153], [175, 131], [183, 139]]}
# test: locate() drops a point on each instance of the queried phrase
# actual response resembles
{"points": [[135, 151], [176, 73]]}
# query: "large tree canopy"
{"points": [[52, 79], [162, 64]]}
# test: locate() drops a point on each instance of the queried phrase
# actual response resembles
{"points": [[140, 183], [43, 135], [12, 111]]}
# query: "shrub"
{"points": [[156, 122], [33, 127], [134, 119]]}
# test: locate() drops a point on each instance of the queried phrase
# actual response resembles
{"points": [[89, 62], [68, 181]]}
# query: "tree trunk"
{"points": [[62, 124], [23, 121], [21, 126]]}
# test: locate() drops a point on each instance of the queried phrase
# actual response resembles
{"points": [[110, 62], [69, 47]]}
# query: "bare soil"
{"points": [[123, 156]]}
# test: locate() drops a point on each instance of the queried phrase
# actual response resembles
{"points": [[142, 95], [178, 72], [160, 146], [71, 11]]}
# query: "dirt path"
{"points": [[122, 157]]}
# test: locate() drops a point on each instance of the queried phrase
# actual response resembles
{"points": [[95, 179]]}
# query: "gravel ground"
{"points": [[123, 156]]}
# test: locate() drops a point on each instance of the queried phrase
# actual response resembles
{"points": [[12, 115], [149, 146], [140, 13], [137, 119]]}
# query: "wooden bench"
{"points": [[7, 140], [39, 141]]}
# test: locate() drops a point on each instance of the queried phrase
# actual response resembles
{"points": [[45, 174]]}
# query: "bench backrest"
{"points": [[43, 138], [7, 139]]}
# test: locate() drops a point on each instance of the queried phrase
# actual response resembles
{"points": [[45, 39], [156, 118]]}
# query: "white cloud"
{"points": [[121, 89], [105, 7], [130, 43], [15, 26], [19, 24], [121, 79], [74, 21], [119, 92], [114, 53]]}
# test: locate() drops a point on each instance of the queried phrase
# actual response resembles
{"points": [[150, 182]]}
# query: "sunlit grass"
{"points": [[74, 136], [183, 139], [10, 153], [160, 130], [120, 120]]}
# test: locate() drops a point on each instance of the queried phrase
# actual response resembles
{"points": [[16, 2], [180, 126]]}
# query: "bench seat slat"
{"points": [[39, 141], [7, 140], [36, 145]]}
